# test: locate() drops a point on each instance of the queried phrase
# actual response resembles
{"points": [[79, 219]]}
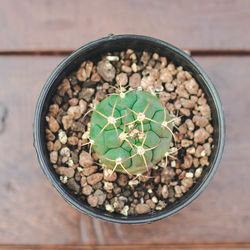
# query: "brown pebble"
{"points": [[85, 159], [74, 112], [164, 192], [53, 156], [94, 178], [95, 77], [200, 121], [50, 145], [126, 69], [198, 151], [92, 200], [191, 86], [150, 203], [121, 79], [205, 111], [86, 94], [73, 185], [164, 97], [83, 106], [122, 180], [100, 95], [89, 67], [209, 129], [49, 135], [73, 102], [81, 75], [87, 190], [57, 145], [207, 148], [142, 208], [67, 121], [188, 160], [101, 196], [181, 76], [196, 162], [73, 140], [185, 143], [69, 172], [187, 182], [53, 124], [190, 124], [89, 170], [186, 103], [204, 161], [200, 135], [181, 91], [169, 87], [106, 70], [135, 80], [185, 111], [53, 109], [105, 86], [109, 175], [63, 87], [166, 76], [83, 181]]}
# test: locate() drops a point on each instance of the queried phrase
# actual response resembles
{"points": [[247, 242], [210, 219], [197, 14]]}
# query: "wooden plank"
{"points": [[190, 246], [221, 213], [66, 25], [31, 210]]}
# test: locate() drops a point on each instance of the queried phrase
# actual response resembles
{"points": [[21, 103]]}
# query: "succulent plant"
{"points": [[130, 132]]}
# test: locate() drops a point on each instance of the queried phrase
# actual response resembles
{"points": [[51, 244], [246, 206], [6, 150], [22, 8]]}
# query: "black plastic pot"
{"points": [[93, 50]]}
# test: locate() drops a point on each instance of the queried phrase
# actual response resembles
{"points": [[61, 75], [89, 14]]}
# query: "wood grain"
{"points": [[66, 25], [32, 211], [221, 213], [188, 246]]}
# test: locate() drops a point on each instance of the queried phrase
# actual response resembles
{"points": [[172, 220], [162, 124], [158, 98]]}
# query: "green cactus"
{"points": [[130, 132]]}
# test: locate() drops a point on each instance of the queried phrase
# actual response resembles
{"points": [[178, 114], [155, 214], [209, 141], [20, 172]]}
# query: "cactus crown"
{"points": [[130, 132]]}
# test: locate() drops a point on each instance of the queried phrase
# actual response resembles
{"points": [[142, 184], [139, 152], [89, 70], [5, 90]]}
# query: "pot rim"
{"points": [[102, 215]]}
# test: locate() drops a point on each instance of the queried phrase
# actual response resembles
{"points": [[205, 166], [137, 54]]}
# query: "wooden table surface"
{"points": [[36, 35]]}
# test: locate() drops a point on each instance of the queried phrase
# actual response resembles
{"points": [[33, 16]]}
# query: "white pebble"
{"points": [[173, 164], [109, 208], [62, 137], [154, 199], [65, 152], [150, 191], [64, 179], [112, 58], [133, 183], [134, 67], [108, 186], [125, 210], [70, 163], [203, 153], [79, 169], [198, 172], [189, 175]]}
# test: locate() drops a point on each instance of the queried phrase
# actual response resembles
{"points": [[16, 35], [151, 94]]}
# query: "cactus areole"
{"points": [[130, 131]]}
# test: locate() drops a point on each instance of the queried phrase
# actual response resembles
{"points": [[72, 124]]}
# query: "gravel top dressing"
{"points": [[160, 164]]}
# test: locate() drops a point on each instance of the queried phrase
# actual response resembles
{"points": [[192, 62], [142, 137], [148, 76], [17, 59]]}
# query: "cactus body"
{"points": [[130, 132]]}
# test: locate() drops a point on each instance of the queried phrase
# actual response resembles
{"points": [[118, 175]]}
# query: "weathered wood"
{"points": [[201, 246], [66, 25], [32, 211], [221, 213]]}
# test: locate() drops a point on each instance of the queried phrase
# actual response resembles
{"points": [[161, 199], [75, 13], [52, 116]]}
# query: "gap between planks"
{"points": [[66, 52], [229, 245]]}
